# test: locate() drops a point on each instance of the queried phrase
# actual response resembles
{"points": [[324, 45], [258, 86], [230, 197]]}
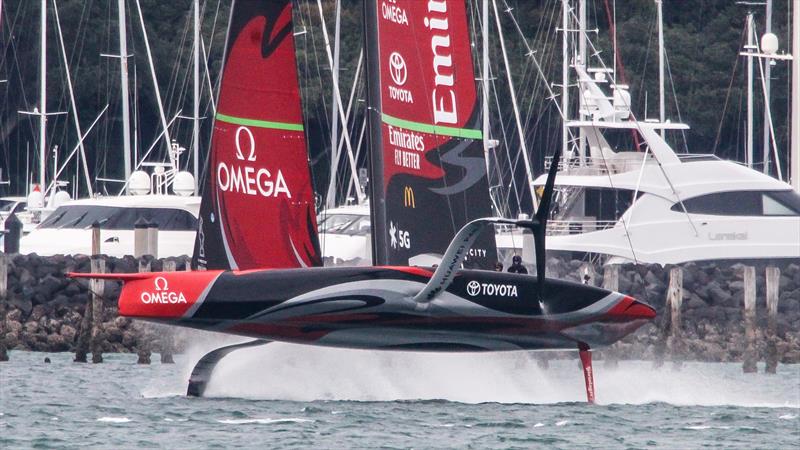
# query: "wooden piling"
{"points": [[611, 282], [773, 283], [750, 357], [167, 341], [96, 249], [152, 239], [142, 330], [4, 261], [3, 347], [671, 339], [140, 238], [674, 302], [611, 277], [96, 299], [84, 333]]}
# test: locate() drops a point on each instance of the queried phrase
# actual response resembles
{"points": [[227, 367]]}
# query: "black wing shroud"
{"points": [[418, 215]]}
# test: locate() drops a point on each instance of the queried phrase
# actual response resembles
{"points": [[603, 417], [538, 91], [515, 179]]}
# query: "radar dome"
{"points": [[139, 183], [60, 198], [769, 43], [183, 184]]}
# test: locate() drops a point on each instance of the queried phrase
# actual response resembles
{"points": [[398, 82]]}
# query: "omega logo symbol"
{"points": [[251, 144], [161, 284], [473, 288], [397, 68]]}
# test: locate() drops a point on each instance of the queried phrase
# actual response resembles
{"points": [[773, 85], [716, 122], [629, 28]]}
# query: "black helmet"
{"points": [[517, 259]]}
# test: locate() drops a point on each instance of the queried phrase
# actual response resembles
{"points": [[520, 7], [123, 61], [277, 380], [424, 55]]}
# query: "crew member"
{"points": [[498, 266], [516, 265]]}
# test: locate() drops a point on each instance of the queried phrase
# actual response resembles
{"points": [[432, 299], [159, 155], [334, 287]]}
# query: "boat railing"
{"points": [[567, 227], [589, 165], [691, 157]]}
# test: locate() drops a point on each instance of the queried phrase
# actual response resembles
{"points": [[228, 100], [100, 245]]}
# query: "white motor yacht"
{"points": [[656, 206], [68, 230]]}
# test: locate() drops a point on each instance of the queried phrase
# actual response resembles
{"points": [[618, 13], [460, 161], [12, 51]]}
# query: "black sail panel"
{"points": [[428, 172]]}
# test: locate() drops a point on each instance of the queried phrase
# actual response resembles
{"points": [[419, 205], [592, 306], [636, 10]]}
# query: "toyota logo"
{"points": [[397, 68], [473, 288]]}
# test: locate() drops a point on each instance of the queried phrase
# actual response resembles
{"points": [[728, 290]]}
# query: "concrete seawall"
{"points": [[43, 310]]}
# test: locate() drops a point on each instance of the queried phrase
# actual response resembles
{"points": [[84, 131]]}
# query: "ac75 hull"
{"points": [[373, 308]]}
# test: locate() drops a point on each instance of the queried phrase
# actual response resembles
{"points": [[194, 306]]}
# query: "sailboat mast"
{"points": [[485, 84], [43, 95], [795, 155], [661, 107], [380, 243], [196, 111], [750, 48], [565, 8], [123, 80], [767, 89], [583, 61], [330, 198]]}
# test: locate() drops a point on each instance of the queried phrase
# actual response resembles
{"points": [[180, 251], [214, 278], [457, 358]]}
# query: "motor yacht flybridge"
{"points": [[653, 205]]}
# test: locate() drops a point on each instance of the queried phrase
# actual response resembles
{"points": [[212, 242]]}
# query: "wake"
{"points": [[305, 373]]}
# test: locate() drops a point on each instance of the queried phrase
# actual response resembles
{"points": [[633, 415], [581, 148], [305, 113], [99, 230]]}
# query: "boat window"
{"points": [[117, 218], [744, 203], [599, 204], [337, 223], [9, 206], [789, 201], [360, 227]]}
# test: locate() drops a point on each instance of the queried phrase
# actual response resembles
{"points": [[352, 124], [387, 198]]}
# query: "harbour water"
{"points": [[285, 396]]}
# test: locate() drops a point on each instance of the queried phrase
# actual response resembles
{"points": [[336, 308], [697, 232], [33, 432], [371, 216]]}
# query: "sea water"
{"points": [[288, 396]]}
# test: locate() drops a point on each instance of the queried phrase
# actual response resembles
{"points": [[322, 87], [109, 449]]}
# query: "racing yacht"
{"points": [[257, 240]]}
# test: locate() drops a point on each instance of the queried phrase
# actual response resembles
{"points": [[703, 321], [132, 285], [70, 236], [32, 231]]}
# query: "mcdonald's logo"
{"points": [[408, 197]]}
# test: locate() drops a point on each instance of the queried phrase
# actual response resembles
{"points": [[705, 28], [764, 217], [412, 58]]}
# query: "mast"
{"points": [[74, 108], [485, 84], [123, 79], [564, 74], [767, 70], [43, 95], [661, 107], [159, 103], [582, 61], [522, 147], [380, 245], [330, 198], [340, 108], [750, 47], [795, 154], [196, 110]]}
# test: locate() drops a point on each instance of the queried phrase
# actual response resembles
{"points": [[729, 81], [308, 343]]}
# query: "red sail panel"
{"points": [[258, 202], [431, 161]]}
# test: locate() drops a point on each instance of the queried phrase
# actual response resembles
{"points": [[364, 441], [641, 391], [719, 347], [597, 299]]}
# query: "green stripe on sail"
{"points": [[260, 123], [432, 129]]}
